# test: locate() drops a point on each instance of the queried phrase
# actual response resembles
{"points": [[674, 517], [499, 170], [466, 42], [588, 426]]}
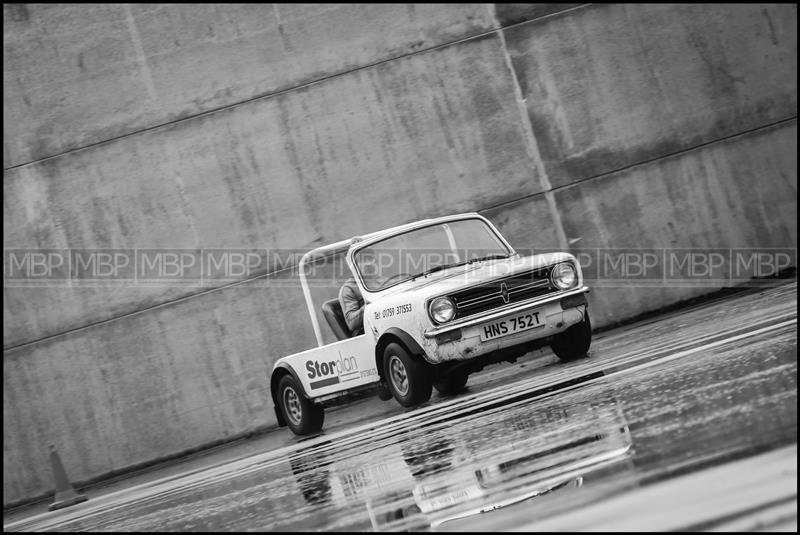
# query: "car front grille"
{"points": [[501, 292]]}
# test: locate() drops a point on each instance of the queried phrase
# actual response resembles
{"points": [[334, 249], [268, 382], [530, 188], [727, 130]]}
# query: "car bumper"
{"points": [[462, 340]]}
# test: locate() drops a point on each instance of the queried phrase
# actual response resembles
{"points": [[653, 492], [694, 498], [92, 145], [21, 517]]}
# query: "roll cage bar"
{"points": [[345, 245]]}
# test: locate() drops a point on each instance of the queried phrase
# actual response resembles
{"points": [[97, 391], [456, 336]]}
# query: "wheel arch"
{"points": [[395, 334], [281, 370]]}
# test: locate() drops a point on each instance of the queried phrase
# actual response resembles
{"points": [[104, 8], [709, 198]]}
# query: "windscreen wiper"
{"points": [[493, 256], [440, 267]]}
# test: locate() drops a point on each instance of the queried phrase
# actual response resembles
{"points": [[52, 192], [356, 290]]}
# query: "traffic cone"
{"points": [[65, 494]]}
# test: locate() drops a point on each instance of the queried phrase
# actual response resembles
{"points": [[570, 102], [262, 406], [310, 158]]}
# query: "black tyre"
{"points": [[452, 384], [302, 416], [384, 394], [574, 342], [409, 380]]}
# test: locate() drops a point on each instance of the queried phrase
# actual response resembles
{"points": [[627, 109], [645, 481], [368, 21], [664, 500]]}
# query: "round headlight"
{"points": [[442, 309], [564, 276]]}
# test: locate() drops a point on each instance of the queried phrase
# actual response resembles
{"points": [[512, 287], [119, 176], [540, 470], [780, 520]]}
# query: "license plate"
{"points": [[512, 325], [429, 504]]}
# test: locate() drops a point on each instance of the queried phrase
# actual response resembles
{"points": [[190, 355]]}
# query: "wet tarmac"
{"points": [[669, 399]]}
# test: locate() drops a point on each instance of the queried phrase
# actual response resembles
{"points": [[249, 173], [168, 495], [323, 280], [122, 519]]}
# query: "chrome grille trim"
{"points": [[501, 292], [476, 300]]}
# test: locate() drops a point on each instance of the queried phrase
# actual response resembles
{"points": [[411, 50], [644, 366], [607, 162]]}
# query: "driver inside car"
{"points": [[350, 297]]}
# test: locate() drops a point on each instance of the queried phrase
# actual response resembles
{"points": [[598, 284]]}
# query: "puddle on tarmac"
{"points": [[472, 463], [547, 451]]}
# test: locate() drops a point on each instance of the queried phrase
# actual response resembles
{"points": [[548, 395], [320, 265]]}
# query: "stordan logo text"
{"points": [[332, 372]]}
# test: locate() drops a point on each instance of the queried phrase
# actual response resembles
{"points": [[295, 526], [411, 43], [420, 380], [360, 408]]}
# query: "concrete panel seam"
{"points": [[531, 145], [167, 124], [142, 310], [141, 58], [648, 161]]}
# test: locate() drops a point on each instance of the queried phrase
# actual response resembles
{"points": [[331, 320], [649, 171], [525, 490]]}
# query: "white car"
{"points": [[443, 297]]}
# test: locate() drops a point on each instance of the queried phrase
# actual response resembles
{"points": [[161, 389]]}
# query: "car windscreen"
{"points": [[426, 250]]}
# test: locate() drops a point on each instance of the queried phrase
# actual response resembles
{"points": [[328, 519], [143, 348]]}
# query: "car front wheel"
{"points": [[574, 342], [409, 380], [302, 416]]}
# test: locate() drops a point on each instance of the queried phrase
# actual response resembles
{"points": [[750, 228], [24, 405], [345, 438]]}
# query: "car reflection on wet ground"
{"points": [[533, 452], [541, 441], [570, 436]]}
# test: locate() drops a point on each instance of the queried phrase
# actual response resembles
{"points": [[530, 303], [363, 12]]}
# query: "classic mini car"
{"points": [[443, 298]]}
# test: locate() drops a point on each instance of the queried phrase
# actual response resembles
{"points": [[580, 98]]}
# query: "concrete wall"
{"points": [[79, 75], [289, 126]]}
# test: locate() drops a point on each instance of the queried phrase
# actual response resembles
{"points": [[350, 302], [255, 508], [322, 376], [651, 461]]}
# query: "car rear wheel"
{"points": [[409, 380], [574, 342], [302, 416], [452, 384]]}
